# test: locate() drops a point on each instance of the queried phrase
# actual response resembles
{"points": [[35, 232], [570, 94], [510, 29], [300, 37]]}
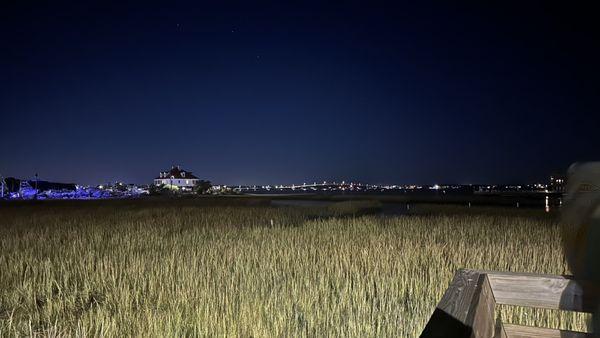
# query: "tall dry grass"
{"points": [[139, 270]]}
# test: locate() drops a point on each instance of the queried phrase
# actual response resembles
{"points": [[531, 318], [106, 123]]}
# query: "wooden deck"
{"points": [[467, 307]]}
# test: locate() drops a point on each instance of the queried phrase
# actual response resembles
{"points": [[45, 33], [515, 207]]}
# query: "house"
{"points": [[177, 178]]}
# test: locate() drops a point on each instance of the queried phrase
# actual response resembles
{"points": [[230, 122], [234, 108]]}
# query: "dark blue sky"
{"points": [[253, 93]]}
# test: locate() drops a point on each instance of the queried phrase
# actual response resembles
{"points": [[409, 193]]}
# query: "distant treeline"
{"points": [[13, 185]]}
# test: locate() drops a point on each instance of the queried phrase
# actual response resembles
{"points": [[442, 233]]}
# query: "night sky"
{"points": [[258, 93]]}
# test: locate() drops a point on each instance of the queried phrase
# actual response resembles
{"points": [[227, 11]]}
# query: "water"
{"points": [[547, 202], [387, 209]]}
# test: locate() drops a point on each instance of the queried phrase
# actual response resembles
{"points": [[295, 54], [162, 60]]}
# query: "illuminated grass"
{"points": [[225, 271]]}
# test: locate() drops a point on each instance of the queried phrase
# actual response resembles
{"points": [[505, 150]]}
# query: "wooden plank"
{"points": [[465, 310], [518, 331], [483, 316], [543, 291], [500, 332]]}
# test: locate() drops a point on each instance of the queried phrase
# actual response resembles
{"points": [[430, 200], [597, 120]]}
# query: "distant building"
{"points": [[12, 184], [557, 183], [177, 178]]}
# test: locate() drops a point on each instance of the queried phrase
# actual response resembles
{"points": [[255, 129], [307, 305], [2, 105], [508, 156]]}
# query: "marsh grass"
{"points": [[175, 269], [354, 208]]}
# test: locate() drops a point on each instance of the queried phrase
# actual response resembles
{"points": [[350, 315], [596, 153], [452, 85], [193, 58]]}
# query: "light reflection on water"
{"points": [[397, 208], [551, 204]]}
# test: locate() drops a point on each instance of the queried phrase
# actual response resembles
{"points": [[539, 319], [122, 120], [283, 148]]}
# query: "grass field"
{"points": [[230, 268]]}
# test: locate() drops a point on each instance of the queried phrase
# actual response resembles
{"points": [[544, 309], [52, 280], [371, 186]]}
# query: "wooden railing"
{"points": [[467, 309]]}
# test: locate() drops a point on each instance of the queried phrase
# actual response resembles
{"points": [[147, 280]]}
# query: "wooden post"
{"points": [[466, 309]]}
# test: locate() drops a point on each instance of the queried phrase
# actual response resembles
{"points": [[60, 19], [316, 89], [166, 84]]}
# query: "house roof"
{"points": [[176, 172]]}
